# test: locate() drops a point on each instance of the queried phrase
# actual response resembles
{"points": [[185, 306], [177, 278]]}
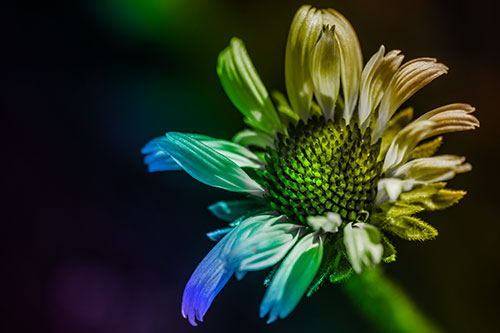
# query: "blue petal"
{"points": [[213, 272], [156, 158]]}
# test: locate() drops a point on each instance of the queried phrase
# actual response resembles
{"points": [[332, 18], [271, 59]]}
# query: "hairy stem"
{"points": [[385, 304]]}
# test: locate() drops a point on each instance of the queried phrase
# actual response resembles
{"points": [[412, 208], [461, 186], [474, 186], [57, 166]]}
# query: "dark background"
{"points": [[93, 243]]}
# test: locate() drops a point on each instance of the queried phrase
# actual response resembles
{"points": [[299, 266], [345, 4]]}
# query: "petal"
{"points": [[231, 210], [446, 119], [287, 115], [329, 223], [351, 59], [375, 78], [389, 189], [304, 31], [409, 79], [248, 137], [325, 71], [156, 158], [212, 273], [245, 89], [363, 245], [292, 278], [207, 165], [240, 155], [432, 169], [266, 247]]}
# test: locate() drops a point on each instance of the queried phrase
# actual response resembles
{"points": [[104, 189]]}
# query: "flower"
{"points": [[329, 173]]}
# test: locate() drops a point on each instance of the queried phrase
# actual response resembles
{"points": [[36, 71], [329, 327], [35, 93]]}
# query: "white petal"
{"points": [[433, 169], [207, 165], [325, 71], [363, 245], [292, 278], [304, 32], [266, 247], [389, 189], [329, 223], [351, 58], [409, 79], [375, 78], [446, 119]]}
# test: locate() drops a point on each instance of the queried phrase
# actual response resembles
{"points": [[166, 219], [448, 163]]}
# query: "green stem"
{"points": [[385, 304]]}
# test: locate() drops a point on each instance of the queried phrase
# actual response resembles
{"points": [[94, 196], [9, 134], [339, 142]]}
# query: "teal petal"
{"points": [[292, 278], [244, 88], [231, 210], [207, 165]]}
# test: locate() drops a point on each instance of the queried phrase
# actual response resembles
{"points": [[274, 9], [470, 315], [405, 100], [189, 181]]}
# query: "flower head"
{"points": [[330, 172]]}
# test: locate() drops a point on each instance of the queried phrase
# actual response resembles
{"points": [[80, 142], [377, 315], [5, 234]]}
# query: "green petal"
{"points": [[397, 123], [389, 251], [245, 89], [207, 165], [231, 210], [287, 115]]}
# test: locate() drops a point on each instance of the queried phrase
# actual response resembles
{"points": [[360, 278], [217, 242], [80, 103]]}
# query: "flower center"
{"points": [[320, 167]]}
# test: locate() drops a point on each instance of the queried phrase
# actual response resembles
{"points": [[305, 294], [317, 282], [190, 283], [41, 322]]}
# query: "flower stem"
{"points": [[385, 304]]}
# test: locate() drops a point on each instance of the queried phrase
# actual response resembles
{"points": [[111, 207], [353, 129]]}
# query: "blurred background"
{"points": [[93, 243]]}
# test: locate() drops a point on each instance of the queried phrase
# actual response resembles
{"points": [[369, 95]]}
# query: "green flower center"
{"points": [[320, 167]]}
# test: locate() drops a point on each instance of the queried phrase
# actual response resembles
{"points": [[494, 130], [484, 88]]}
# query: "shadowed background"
{"points": [[93, 243]]}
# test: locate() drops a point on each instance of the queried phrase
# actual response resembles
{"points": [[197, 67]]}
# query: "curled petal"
{"points": [[446, 119], [245, 89], [351, 59], [292, 278], [325, 71], [207, 165], [375, 78], [409, 79], [363, 245], [304, 31]]}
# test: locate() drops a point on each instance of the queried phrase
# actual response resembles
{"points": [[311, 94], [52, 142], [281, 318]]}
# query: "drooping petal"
{"points": [[304, 31], [409, 79], [266, 247], [432, 169], [395, 125], [207, 165], [325, 71], [292, 278], [446, 119], [363, 245], [212, 273], [375, 78], [351, 58], [245, 89], [231, 210]]}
